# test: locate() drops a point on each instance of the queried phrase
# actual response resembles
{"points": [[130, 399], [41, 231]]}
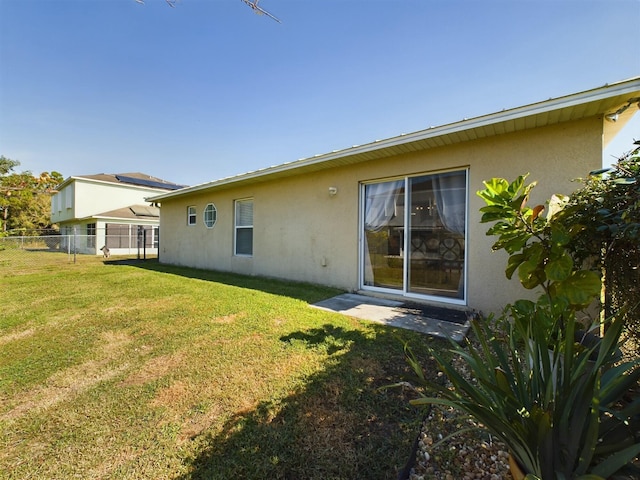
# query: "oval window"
{"points": [[210, 215]]}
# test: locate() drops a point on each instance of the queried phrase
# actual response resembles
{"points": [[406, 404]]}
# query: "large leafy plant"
{"points": [[537, 244], [559, 402]]}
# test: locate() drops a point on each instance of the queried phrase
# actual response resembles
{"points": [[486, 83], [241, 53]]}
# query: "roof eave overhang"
{"points": [[598, 101], [114, 218]]}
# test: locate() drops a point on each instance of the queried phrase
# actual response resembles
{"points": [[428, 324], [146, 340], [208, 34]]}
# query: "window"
{"points": [[244, 227], [210, 215], [91, 235], [118, 235], [191, 215]]}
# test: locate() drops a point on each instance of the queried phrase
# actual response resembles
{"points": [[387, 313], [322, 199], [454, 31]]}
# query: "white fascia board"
{"points": [[607, 91], [66, 182], [119, 219]]}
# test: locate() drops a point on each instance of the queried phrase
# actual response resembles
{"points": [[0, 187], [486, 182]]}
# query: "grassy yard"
{"points": [[136, 370]]}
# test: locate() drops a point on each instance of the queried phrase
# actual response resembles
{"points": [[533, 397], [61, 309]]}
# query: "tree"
{"points": [[24, 198], [6, 165], [605, 213]]}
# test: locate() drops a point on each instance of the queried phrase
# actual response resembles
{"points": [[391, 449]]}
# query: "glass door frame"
{"points": [[404, 291]]}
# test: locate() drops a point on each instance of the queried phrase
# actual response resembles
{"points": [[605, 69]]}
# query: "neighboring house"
{"points": [[111, 210], [397, 217]]}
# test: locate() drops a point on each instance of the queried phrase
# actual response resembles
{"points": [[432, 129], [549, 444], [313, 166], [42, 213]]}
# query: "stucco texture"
{"points": [[303, 233]]}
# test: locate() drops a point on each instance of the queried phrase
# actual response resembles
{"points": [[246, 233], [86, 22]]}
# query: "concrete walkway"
{"points": [[437, 322]]}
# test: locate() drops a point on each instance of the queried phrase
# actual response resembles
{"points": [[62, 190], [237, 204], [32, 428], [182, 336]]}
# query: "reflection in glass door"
{"points": [[429, 260], [437, 234], [383, 234]]}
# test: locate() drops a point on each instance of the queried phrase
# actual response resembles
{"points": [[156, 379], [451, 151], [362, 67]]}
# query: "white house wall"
{"points": [[303, 233], [84, 198], [62, 204]]}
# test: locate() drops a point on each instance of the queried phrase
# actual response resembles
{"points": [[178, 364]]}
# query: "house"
{"points": [[397, 217], [111, 210]]}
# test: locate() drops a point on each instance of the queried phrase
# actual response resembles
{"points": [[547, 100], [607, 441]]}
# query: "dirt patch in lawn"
{"points": [[16, 336], [229, 318], [74, 380], [154, 369], [115, 460], [173, 394], [198, 423]]}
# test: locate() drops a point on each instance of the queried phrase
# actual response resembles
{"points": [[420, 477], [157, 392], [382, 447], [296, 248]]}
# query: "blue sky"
{"points": [[209, 89]]}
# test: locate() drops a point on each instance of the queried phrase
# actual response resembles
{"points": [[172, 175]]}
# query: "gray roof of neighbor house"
{"points": [[136, 178], [132, 212], [608, 100]]}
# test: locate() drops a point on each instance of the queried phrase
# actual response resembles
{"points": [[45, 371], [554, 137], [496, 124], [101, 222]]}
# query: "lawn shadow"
{"points": [[340, 425], [310, 293]]}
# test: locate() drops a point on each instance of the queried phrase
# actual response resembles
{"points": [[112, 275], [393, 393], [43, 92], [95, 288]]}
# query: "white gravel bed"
{"points": [[468, 455]]}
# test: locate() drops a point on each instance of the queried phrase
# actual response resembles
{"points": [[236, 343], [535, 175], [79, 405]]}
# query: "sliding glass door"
{"points": [[414, 235], [383, 234]]}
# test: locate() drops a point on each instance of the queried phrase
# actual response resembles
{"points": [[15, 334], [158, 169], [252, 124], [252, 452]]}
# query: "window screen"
{"points": [[210, 215], [191, 215], [244, 227]]}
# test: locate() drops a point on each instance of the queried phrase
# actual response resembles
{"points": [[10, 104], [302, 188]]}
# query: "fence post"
{"points": [[75, 242]]}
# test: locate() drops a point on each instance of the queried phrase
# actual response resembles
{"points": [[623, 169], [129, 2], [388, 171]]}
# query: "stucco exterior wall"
{"points": [[302, 233]]}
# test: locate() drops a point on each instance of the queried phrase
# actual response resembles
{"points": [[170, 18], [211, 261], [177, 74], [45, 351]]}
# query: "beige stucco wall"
{"points": [[303, 233]]}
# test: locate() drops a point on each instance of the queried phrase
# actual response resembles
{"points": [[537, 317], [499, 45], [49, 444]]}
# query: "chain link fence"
{"points": [[19, 253], [22, 252]]}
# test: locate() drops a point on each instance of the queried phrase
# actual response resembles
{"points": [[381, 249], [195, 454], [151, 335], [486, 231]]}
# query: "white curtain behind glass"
{"points": [[380, 204], [379, 209], [450, 193]]}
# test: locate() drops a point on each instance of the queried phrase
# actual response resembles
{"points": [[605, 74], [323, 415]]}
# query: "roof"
{"points": [[132, 212], [135, 179], [606, 100]]}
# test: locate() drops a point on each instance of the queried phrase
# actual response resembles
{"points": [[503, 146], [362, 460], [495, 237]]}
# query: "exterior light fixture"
{"points": [[613, 117]]}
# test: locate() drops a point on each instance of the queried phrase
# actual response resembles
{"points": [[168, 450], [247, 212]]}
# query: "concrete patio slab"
{"points": [[437, 322]]}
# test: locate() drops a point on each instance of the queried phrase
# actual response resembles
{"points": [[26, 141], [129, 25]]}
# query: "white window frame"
{"points": [[91, 234], [404, 291], [237, 227], [210, 209], [191, 215]]}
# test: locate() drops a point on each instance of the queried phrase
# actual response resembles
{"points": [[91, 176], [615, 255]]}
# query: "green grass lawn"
{"points": [[137, 370]]}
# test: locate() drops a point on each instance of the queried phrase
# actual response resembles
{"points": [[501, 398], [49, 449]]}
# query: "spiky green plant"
{"points": [[559, 411]]}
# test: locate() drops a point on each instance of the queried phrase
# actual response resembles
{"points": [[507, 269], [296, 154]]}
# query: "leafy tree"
{"points": [[6, 165], [539, 246], [596, 228], [24, 198], [605, 212]]}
